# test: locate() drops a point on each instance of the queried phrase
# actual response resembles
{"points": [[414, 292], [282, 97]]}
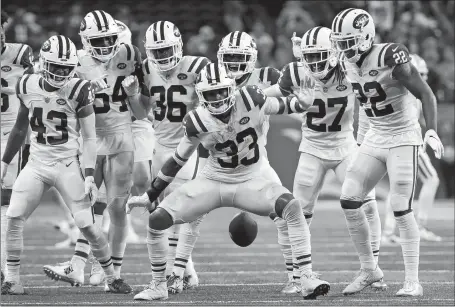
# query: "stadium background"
{"points": [[426, 28]]}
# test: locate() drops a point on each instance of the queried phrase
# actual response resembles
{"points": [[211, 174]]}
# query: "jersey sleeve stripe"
{"points": [[381, 55], [147, 68], [128, 52], [197, 122], [19, 54], [282, 105], [24, 85], [18, 86], [73, 92], [203, 63], [193, 64], [246, 99], [179, 159], [294, 72], [261, 74]]}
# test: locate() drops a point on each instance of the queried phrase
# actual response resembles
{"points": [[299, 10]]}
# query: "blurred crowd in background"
{"points": [[425, 27]]}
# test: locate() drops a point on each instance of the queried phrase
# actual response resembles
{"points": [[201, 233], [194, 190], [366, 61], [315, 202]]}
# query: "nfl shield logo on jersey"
{"points": [[47, 99]]}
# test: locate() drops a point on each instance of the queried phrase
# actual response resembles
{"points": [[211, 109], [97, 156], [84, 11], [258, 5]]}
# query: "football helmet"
{"points": [[353, 33], [215, 89], [238, 54], [421, 66], [124, 36], [99, 34], [317, 51], [58, 60], [163, 45]]}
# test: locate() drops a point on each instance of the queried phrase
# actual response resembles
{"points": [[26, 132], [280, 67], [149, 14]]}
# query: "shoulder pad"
{"points": [[24, 56], [22, 84], [197, 63], [128, 50], [75, 88], [269, 74], [193, 125], [252, 96], [145, 67], [393, 54], [289, 77], [85, 96], [137, 54]]}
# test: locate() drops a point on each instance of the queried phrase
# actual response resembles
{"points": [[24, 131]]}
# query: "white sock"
{"points": [[283, 241], [410, 244], [157, 245], [360, 234], [14, 247], [173, 238], [371, 212], [189, 233], [3, 233]]}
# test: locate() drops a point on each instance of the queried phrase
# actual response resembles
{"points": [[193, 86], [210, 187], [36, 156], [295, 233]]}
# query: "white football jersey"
{"points": [[173, 96], [53, 119], [327, 127], [112, 113], [393, 122], [235, 154], [15, 60]]}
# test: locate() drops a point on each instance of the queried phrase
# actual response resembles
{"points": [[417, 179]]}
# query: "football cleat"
{"points": [[174, 284], [190, 281], [243, 229], [156, 290], [312, 287], [65, 273], [427, 235], [118, 286], [363, 279], [379, 285], [292, 286], [12, 288], [411, 288], [96, 273]]}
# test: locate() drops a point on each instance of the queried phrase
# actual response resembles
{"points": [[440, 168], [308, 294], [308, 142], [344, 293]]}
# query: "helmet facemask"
{"points": [[237, 62], [319, 62], [102, 48], [57, 74], [351, 47], [217, 99], [165, 57]]}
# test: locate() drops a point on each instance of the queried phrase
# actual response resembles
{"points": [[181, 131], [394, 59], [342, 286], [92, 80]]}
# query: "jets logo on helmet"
{"points": [[353, 33], [124, 36], [58, 60], [360, 21], [238, 54], [317, 52], [215, 89], [99, 34], [163, 45]]}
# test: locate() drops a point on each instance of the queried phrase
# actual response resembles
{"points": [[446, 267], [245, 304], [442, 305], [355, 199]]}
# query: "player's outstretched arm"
{"points": [[408, 75], [273, 91], [18, 134]]}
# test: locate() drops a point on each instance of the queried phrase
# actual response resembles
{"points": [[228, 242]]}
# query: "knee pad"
{"points": [[6, 196], [84, 218], [350, 204], [282, 202], [160, 219], [99, 207]]}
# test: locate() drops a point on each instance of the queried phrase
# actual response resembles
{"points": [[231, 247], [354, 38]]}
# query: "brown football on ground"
{"points": [[243, 229]]}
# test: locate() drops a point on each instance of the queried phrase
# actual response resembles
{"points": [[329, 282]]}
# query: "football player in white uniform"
{"points": [[16, 60], [381, 76], [230, 124], [58, 108], [106, 63], [238, 54], [169, 79], [427, 175], [327, 135]]}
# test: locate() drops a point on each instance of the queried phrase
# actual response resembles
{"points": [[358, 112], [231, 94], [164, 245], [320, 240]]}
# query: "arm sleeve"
{"points": [[88, 132]]}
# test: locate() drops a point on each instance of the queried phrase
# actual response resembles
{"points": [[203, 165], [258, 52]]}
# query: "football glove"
{"points": [[142, 201], [296, 41], [3, 170], [99, 84], [305, 94], [90, 189], [131, 85], [432, 139]]}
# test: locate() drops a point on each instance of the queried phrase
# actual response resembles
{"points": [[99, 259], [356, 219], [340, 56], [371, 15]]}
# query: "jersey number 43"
{"points": [[36, 123]]}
